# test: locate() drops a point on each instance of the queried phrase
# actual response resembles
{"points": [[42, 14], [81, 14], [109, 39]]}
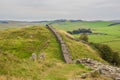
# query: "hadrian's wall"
{"points": [[65, 51]]}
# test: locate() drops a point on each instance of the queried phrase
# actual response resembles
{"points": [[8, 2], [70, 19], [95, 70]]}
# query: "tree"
{"points": [[106, 52], [84, 37], [116, 58]]}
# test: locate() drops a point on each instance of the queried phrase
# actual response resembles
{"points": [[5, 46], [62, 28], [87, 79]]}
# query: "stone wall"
{"points": [[66, 53]]}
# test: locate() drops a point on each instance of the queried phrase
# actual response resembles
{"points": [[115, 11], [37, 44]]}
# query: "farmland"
{"points": [[111, 38]]}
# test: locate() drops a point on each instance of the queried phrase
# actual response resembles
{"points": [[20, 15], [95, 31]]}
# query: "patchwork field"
{"points": [[111, 38]]}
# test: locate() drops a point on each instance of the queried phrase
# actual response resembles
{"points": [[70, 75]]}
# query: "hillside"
{"points": [[79, 49], [17, 46]]}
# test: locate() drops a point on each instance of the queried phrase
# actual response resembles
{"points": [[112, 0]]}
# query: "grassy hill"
{"points": [[111, 38], [17, 46], [79, 49]]}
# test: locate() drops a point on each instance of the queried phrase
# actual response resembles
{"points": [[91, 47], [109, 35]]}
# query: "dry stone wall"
{"points": [[66, 53]]}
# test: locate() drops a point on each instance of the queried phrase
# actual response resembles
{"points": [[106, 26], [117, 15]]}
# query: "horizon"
{"points": [[56, 19]]}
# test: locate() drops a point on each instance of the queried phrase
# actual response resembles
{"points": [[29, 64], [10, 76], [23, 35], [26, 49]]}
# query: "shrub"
{"points": [[116, 58], [105, 52], [84, 37]]}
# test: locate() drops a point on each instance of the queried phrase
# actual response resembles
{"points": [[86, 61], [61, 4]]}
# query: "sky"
{"points": [[59, 9]]}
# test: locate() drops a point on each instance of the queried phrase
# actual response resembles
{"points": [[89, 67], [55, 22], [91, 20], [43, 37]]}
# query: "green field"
{"points": [[113, 32]]}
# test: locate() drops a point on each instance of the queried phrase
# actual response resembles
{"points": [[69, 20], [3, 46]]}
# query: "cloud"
{"points": [[55, 9]]}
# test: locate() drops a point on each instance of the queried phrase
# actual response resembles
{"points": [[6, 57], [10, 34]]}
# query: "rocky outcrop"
{"points": [[103, 69], [66, 53]]}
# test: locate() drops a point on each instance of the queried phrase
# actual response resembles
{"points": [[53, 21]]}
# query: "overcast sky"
{"points": [[60, 9]]}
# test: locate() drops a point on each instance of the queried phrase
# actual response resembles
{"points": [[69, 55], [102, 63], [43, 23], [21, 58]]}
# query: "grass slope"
{"points": [[79, 49]]}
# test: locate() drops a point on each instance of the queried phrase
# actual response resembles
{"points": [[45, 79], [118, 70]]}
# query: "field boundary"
{"points": [[65, 50]]}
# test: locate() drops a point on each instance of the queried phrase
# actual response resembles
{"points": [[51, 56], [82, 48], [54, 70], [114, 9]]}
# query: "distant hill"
{"points": [[115, 21], [37, 21], [75, 20], [15, 24], [3, 22], [113, 24]]}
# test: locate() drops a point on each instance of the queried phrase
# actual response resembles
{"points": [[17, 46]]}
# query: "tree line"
{"points": [[79, 31]]}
